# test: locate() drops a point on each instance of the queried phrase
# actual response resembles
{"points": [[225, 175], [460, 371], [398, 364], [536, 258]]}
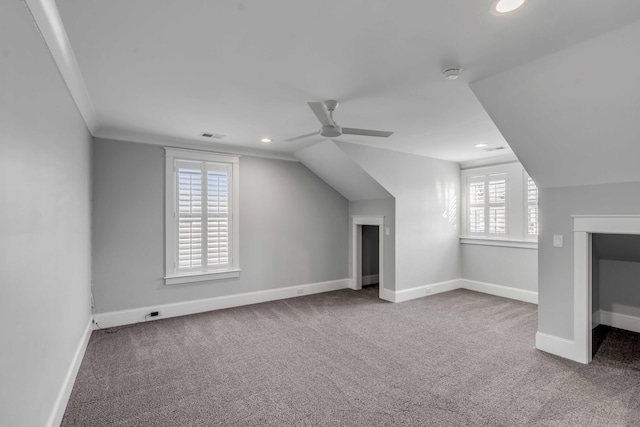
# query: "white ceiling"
{"points": [[166, 69]]}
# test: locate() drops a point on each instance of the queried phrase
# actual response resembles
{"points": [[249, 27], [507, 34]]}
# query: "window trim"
{"points": [[525, 199], [516, 206], [171, 155], [486, 179]]}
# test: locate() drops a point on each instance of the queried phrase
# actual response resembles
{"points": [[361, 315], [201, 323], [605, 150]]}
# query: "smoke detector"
{"points": [[451, 73]]}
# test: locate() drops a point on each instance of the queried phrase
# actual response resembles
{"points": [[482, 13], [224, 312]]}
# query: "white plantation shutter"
{"points": [[487, 205], [190, 215], [497, 204], [202, 230], [532, 208], [476, 197], [218, 216], [202, 215]]}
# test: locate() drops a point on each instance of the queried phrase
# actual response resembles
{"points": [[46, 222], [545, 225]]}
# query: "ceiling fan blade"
{"points": [[296, 138], [322, 113], [366, 132]]}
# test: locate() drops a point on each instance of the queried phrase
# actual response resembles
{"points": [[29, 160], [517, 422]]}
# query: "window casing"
{"points": [[499, 203], [531, 208], [202, 230]]}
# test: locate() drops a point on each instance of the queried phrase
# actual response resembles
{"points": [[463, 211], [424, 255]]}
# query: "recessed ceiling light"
{"points": [[481, 145], [266, 140], [500, 7]]}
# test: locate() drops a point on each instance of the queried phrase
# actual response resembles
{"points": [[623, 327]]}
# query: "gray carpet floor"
{"points": [[346, 358]]}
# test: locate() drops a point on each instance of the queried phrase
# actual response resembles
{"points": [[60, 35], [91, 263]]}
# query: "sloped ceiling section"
{"points": [[573, 117], [337, 169]]}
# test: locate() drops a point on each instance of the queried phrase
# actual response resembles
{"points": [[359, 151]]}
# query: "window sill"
{"points": [[201, 277], [523, 244]]}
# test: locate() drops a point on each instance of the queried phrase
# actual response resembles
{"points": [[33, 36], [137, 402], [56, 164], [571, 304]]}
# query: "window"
{"points": [[498, 204], [487, 200], [201, 216]]}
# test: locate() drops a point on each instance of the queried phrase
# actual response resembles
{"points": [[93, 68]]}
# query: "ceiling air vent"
{"points": [[494, 148], [212, 135]]}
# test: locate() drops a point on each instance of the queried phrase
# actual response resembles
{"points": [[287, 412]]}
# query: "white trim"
{"points": [[555, 345], [370, 279], [620, 321], [47, 18], [171, 155], [387, 295], [357, 221], [426, 290], [126, 317], [522, 244], [201, 277], [177, 142], [451, 285], [584, 226], [500, 291], [62, 400]]}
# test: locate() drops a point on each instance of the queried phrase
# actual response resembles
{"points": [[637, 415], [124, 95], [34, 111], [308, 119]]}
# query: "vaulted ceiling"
{"points": [[163, 70]]}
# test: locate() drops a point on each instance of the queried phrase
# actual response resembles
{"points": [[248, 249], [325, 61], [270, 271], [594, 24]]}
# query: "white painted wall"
{"points": [[45, 252], [426, 190], [555, 265], [387, 209], [294, 229]]}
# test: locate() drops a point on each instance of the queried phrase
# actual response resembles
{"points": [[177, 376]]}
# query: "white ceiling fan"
{"points": [[330, 129]]}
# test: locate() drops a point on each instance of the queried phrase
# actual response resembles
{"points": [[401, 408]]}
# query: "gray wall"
{"points": [[620, 287], [616, 273], [505, 266], [370, 250], [293, 229], [555, 265], [427, 212], [386, 208], [45, 252]]}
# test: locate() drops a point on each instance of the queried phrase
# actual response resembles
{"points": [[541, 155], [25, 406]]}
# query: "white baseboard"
{"points": [[69, 379], [387, 295], [450, 285], [422, 291], [617, 320], [500, 291], [126, 317], [370, 279], [558, 346]]}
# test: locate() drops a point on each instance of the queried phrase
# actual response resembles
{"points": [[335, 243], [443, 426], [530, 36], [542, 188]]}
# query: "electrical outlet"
{"points": [[428, 291], [299, 291], [154, 314]]}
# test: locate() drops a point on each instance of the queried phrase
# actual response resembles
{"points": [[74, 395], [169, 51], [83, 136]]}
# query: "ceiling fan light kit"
{"points": [[330, 129]]}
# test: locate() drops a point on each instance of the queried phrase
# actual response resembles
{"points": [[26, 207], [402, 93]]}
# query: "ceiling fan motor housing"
{"points": [[331, 131]]}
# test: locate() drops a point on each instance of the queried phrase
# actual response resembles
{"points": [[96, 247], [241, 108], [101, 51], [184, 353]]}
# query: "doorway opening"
{"points": [[586, 269], [367, 252]]}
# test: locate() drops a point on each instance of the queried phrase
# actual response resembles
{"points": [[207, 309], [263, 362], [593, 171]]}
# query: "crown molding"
{"points": [[47, 19]]}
